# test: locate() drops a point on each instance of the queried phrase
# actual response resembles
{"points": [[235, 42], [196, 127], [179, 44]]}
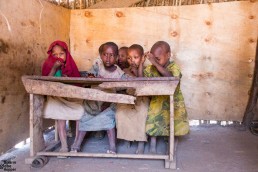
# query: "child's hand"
{"points": [[144, 58], [57, 64], [134, 70], [151, 58]]}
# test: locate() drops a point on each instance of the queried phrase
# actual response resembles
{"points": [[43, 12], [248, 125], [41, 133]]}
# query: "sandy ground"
{"points": [[208, 148]]}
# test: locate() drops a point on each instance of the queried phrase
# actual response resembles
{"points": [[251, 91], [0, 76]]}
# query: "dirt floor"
{"points": [[208, 148]]}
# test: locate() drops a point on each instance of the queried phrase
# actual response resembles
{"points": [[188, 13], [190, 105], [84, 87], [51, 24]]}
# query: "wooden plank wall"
{"points": [[26, 30], [214, 44]]}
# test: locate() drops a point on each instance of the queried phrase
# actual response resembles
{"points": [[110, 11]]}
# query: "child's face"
{"points": [[161, 56], [59, 52], [122, 57], [108, 56], [134, 58]]}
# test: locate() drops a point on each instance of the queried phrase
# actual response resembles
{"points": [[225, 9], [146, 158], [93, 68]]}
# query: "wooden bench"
{"points": [[39, 86]]}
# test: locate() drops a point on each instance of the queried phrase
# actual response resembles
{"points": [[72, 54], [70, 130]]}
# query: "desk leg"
{"points": [[36, 129], [56, 132], [171, 162]]}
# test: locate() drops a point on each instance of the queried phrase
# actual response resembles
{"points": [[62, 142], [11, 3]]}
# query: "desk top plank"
{"points": [[70, 91], [145, 88], [92, 81]]}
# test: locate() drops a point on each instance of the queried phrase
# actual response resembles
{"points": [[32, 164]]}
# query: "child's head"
{"points": [[122, 58], [59, 52], [108, 53], [161, 52], [135, 53]]}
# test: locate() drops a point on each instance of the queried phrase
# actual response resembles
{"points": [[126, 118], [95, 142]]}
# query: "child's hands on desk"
{"points": [[57, 64]]}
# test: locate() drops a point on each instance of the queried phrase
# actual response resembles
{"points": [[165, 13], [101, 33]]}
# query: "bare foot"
{"points": [[112, 150], [75, 148], [140, 149], [63, 149]]}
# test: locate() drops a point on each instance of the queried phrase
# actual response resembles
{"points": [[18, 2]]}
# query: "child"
{"points": [[158, 114], [131, 119], [122, 58], [101, 115], [60, 63]]}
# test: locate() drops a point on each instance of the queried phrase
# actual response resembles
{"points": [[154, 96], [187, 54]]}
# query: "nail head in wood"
{"points": [[250, 75], [119, 14], [174, 16], [207, 22], [88, 14], [251, 17], [250, 60], [251, 40], [174, 33]]}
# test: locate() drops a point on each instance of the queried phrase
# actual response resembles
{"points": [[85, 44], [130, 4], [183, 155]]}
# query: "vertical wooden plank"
{"points": [[56, 132], [74, 4], [67, 3], [36, 129], [87, 3], [172, 133]]}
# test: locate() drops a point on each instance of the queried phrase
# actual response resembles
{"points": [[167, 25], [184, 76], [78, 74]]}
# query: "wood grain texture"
{"points": [[214, 44], [64, 90], [103, 155], [145, 88], [37, 142], [26, 31]]}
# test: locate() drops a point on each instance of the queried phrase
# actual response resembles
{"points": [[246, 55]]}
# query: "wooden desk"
{"points": [[38, 86]]}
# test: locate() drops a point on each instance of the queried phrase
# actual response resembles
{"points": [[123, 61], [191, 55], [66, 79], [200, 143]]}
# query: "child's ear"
{"points": [[169, 54]]}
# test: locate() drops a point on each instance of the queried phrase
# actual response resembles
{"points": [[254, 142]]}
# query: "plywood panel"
{"points": [[26, 30], [214, 44]]}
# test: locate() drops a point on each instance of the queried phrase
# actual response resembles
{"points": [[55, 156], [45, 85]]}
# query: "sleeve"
{"points": [[147, 72], [175, 70], [94, 70]]}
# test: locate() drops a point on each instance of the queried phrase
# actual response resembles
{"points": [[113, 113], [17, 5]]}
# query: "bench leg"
{"points": [[56, 132], [171, 162], [37, 142]]}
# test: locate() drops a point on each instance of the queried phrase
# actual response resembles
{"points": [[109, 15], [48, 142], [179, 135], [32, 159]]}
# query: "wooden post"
{"points": [[87, 3], [148, 2], [56, 132], [74, 4], [163, 3], [36, 129], [80, 4], [170, 163]]}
